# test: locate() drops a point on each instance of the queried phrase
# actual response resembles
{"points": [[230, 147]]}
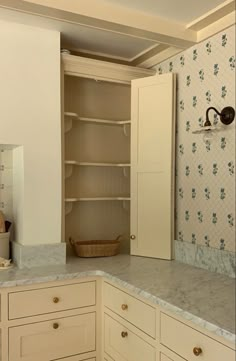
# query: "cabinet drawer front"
{"points": [[53, 299], [182, 339], [137, 312], [52, 339], [128, 348]]}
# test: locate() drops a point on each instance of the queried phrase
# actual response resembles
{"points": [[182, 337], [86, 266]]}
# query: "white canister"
{"points": [[4, 245]]}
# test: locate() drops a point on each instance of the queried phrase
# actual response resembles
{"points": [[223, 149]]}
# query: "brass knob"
{"points": [[56, 299], [132, 236], [55, 325], [197, 351], [124, 334], [124, 307]]}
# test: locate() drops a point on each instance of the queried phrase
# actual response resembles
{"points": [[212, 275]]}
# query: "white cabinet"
{"points": [[190, 343], [52, 299], [130, 330], [97, 155], [51, 321], [52, 339], [119, 326], [124, 345], [140, 314]]}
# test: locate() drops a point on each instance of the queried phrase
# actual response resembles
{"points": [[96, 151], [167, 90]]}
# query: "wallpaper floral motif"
{"points": [[205, 168]]}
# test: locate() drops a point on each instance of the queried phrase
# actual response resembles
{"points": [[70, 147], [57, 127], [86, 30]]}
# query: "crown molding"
{"points": [[102, 70]]}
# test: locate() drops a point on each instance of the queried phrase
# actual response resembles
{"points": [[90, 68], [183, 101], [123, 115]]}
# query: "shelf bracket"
{"points": [[68, 208], [125, 131], [125, 173], [68, 125], [124, 205], [68, 170]]}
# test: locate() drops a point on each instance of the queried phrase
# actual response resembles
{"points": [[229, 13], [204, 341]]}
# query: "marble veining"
{"points": [[208, 258], [205, 298], [27, 256]]}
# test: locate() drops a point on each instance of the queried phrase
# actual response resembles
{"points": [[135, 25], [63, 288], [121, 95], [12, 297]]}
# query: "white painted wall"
{"points": [[30, 117]]}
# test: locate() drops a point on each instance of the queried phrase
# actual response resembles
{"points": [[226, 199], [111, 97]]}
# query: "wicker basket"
{"points": [[97, 248]]}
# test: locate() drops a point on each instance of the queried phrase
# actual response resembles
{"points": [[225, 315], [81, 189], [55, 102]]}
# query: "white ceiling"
{"points": [[182, 11], [128, 44], [85, 39]]}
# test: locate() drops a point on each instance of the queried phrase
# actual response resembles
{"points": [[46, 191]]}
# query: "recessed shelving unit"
{"points": [[97, 159]]}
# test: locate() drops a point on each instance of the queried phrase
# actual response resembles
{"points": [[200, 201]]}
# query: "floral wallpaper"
{"points": [[205, 168]]}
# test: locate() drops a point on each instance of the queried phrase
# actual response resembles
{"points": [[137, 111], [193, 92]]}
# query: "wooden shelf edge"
{"points": [[92, 199], [96, 120], [94, 164]]}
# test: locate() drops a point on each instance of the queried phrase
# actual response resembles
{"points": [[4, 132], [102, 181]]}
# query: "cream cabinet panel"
{"points": [[49, 340], [46, 300], [76, 358], [137, 312], [123, 345], [152, 166], [165, 358], [186, 341], [171, 356]]}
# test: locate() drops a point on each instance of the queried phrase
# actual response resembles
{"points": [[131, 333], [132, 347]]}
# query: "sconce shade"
{"points": [[227, 115]]}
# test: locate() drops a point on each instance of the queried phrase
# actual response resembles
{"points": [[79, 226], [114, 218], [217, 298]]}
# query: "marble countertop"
{"points": [[205, 298]]}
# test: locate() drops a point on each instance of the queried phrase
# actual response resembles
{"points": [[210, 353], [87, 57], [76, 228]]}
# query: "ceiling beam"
{"points": [[212, 16], [216, 27], [159, 57], [95, 14], [149, 54]]}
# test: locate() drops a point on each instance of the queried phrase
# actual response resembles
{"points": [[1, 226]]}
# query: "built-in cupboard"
{"points": [[118, 158]]}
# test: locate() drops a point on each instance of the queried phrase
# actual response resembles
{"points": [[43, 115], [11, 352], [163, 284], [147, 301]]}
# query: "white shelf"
{"points": [[95, 199], [95, 120], [94, 164]]}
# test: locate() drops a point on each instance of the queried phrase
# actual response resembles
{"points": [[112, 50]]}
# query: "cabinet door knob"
{"points": [[56, 299], [124, 334], [124, 307], [197, 351], [132, 236], [55, 325]]}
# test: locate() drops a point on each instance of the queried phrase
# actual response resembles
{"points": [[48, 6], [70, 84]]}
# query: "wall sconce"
{"points": [[226, 117]]}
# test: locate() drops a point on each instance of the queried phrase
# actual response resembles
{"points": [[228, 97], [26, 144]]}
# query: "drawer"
{"points": [[182, 339], [52, 299], [54, 339], [123, 345], [131, 309]]}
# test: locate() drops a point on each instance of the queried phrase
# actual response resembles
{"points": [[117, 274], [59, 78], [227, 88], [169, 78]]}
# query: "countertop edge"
{"points": [[144, 294]]}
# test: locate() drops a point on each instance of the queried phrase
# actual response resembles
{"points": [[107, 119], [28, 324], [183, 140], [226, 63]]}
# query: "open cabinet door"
{"points": [[152, 166]]}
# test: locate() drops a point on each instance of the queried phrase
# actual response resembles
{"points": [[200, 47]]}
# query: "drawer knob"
{"points": [[56, 299], [124, 334], [197, 351], [55, 325], [124, 307], [132, 236]]}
